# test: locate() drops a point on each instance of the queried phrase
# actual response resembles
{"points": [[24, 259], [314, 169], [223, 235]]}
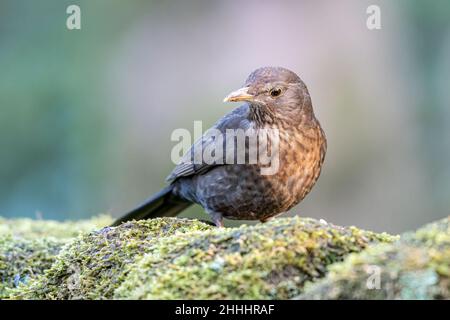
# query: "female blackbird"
{"points": [[276, 100]]}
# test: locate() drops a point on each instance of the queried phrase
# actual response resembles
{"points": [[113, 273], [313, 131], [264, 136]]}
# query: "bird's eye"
{"points": [[275, 92]]}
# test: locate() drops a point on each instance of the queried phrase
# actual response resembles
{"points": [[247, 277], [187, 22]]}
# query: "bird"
{"points": [[274, 99]]}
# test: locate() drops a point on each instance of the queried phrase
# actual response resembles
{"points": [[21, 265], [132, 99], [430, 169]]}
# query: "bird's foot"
{"points": [[218, 222], [217, 218]]}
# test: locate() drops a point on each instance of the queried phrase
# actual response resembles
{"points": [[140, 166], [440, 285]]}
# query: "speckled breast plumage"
{"points": [[240, 191]]}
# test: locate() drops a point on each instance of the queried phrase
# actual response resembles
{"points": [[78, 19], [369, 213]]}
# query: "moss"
{"points": [[93, 265], [29, 247], [170, 258], [265, 261], [416, 267], [23, 259], [34, 229]]}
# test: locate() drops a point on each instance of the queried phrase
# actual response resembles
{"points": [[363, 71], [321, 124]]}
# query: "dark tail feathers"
{"points": [[161, 204]]}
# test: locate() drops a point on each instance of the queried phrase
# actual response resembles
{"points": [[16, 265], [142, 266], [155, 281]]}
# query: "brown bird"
{"points": [[276, 101]]}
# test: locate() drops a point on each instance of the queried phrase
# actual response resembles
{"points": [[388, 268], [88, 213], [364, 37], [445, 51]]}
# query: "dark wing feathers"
{"points": [[237, 119]]}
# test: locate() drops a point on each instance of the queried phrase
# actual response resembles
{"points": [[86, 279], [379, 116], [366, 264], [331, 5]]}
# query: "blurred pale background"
{"points": [[86, 116]]}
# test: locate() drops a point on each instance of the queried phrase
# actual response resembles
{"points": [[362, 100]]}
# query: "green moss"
{"points": [[23, 259], [416, 267], [265, 261], [170, 258], [34, 229], [93, 265], [29, 247]]}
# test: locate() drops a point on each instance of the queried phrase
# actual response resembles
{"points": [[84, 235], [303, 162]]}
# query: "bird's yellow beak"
{"points": [[239, 95]]}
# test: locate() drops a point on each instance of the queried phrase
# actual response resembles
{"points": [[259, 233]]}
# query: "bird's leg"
{"points": [[217, 218]]}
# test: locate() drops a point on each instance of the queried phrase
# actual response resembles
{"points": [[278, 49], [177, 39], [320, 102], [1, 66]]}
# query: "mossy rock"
{"points": [[23, 259], [29, 247], [94, 264], [265, 261], [416, 267], [170, 258]]}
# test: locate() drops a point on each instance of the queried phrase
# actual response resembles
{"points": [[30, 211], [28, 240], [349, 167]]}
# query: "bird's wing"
{"points": [[237, 119]]}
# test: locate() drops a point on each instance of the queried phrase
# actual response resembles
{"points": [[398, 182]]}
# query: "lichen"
{"points": [[416, 267], [265, 261], [93, 265]]}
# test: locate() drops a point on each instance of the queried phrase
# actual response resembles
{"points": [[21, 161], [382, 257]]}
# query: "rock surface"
{"points": [[416, 267], [172, 258], [29, 247], [93, 265]]}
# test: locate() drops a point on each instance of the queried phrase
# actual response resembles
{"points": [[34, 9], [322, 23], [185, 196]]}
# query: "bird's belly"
{"points": [[241, 192]]}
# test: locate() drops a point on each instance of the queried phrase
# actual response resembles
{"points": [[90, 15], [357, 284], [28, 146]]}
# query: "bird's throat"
{"points": [[262, 115]]}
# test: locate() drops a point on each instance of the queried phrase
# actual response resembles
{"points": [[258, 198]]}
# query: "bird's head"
{"points": [[275, 93]]}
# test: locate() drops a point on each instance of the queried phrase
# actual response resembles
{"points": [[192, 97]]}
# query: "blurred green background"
{"points": [[86, 115]]}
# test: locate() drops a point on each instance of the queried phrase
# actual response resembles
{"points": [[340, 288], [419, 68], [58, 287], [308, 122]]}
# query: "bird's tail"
{"points": [[162, 204]]}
